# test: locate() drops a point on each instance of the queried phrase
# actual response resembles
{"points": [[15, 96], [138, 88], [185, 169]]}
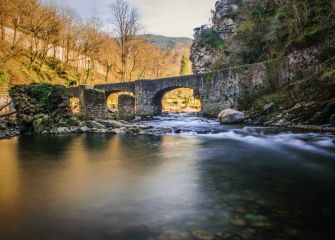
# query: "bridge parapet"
{"points": [[217, 90]]}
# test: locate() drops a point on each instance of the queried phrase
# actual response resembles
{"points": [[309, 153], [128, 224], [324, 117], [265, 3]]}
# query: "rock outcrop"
{"points": [[37, 103], [205, 56], [231, 116]]}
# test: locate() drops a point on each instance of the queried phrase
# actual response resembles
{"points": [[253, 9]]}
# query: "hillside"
{"points": [[167, 43], [267, 32]]}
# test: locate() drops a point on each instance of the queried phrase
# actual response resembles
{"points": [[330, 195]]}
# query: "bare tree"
{"points": [[5, 11], [125, 21], [50, 36], [43, 29], [70, 22], [107, 55], [91, 40]]}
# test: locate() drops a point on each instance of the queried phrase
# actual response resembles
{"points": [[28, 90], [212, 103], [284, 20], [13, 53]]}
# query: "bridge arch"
{"points": [[157, 100], [112, 99]]}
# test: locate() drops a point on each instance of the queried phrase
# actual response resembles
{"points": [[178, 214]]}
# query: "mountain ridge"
{"points": [[167, 43]]}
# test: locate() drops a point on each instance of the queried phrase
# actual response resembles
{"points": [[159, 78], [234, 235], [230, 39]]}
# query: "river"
{"points": [[207, 182]]}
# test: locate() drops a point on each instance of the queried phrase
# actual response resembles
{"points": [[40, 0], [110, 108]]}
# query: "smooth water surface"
{"points": [[209, 182]]}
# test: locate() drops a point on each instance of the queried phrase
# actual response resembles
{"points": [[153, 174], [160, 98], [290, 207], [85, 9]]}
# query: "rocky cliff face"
{"points": [[206, 52]]}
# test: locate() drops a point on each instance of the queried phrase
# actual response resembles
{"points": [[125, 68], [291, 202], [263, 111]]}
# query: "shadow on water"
{"points": [[264, 193], [43, 147]]}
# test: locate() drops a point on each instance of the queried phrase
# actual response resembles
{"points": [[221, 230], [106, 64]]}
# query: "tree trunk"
{"points": [[7, 114], [6, 105], [2, 25]]}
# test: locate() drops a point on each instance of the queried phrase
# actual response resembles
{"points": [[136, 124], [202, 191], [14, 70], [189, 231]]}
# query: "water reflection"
{"points": [[226, 185]]}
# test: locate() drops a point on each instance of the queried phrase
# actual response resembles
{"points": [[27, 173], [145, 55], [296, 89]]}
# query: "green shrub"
{"points": [[46, 95], [4, 77], [233, 13], [212, 38]]}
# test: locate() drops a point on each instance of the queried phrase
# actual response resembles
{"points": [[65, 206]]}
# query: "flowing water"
{"points": [[208, 182]]}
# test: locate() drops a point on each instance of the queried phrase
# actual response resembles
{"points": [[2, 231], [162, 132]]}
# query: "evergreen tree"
{"points": [[184, 66]]}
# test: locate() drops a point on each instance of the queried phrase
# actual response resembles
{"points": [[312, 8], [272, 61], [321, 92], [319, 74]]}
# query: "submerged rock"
{"points": [[202, 235], [231, 116]]}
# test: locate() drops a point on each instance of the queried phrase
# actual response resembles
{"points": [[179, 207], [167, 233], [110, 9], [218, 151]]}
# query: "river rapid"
{"points": [[205, 181]]}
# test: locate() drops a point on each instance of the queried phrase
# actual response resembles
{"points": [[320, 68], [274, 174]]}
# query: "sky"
{"points": [[174, 18]]}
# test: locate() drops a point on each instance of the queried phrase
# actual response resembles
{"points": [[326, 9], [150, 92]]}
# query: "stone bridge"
{"points": [[216, 91]]}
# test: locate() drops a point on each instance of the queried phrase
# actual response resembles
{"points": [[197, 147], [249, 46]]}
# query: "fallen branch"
{"points": [[7, 114], [6, 105]]}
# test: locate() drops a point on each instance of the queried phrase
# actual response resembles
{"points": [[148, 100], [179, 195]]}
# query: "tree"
{"points": [[107, 56], [90, 45], [184, 66], [5, 11], [43, 28], [125, 21]]}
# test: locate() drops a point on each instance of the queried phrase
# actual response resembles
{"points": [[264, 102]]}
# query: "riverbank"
{"points": [[44, 126]]}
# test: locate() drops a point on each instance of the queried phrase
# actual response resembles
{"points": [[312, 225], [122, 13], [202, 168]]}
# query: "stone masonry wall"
{"points": [[217, 90], [126, 107], [94, 104]]}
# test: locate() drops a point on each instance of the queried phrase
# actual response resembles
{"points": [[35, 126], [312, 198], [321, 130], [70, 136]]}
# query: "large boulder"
{"points": [[228, 116]]}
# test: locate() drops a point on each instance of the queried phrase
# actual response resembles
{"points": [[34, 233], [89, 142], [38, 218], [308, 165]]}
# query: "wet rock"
{"points": [[94, 124], [84, 129], [171, 234], [101, 131], [40, 122], [258, 221], [74, 129], [228, 116], [116, 131], [268, 108], [62, 130], [240, 210], [110, 123], [202, 235], [238, 222], [254, 217]]}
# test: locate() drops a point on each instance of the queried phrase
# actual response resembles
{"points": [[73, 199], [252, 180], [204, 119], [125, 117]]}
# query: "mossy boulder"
{"points": [[37, 104], [41, 122]]}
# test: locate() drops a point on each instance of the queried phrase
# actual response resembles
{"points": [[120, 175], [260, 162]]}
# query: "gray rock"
{"points": [[94, 124], [116, 131], [101, 131], [84, 129], [74, 129], [270, 107], [231, 116], [110, 123], [62, 130]]}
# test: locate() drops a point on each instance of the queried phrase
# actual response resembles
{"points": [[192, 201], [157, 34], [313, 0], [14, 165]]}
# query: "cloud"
{"points": [[165, 17]]}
